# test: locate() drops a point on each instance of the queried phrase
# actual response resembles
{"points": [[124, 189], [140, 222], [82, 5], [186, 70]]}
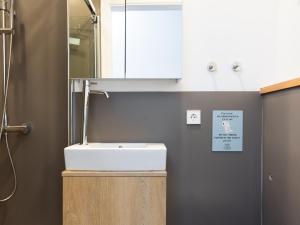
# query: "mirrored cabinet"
{"points": [[125, 39]]}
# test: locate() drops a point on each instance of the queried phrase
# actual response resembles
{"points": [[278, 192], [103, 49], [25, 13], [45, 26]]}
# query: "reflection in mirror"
{"points": [[92, 55], [82, 44], [153, 39]]}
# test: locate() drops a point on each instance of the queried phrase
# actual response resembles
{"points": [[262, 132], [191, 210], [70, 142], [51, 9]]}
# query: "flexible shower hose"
{"points": [[2, 125], [13, 169]]}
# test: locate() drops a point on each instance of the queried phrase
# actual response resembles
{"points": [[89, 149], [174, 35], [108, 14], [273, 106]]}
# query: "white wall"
{"points": [[288, 40], [247, 31]]}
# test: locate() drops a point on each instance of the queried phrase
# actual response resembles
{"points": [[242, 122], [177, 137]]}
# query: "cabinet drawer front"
{"points": [[114, 200]]}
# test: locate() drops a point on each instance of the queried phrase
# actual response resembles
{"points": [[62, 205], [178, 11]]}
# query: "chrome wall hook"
{"points": [[212, 67], [236, 67]]}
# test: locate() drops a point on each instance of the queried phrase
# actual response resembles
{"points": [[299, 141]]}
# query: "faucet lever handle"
{"points": [[100, 93]]}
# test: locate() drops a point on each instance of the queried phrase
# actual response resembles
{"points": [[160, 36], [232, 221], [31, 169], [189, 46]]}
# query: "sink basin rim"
{"points": [[117, 146]]}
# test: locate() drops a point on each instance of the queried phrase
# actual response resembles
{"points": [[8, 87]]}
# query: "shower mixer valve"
{"points": [[23, 129]]}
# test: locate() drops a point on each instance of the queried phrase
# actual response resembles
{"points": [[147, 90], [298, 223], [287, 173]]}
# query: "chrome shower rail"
{"points": [[23, 129]]}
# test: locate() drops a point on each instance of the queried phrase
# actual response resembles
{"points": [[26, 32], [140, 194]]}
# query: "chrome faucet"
{"points": [[86, 93]]}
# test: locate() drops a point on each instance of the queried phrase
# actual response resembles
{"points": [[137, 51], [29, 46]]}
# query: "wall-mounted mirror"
{"points": [[133, 39]]}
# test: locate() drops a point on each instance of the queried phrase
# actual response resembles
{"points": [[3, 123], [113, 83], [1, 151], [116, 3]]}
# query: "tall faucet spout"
{"points": [[100, 93], [86, 93]]}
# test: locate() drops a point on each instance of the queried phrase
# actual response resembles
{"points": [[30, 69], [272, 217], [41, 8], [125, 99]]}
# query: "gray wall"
{"points": [[37, 94], [281, 138], [204, 188]]}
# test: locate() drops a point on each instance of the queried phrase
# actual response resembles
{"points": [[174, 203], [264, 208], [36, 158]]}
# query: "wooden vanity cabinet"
{"points": [[114, 198]]}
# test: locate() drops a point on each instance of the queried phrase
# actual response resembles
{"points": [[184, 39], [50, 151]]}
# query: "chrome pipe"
{"points": [[12, 13], [3, 8]]}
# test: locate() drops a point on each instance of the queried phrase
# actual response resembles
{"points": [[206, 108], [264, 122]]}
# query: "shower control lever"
{"points": [[23, 129]]}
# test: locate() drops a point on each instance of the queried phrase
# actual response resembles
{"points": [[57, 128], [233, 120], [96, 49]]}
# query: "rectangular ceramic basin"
{"points": [[116, 157]]}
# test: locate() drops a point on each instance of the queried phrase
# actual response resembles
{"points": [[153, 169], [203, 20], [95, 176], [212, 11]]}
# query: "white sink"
{"points": [[116, 157]]}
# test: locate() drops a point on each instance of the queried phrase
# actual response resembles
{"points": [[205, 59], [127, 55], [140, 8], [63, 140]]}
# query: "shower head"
{"points": [[91, 6]]}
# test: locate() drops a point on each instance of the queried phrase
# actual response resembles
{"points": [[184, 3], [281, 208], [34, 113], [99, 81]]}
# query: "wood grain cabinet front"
{"points": [[106, 198]]}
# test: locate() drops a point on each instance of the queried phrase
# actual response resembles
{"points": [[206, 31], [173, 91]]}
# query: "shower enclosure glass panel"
{"points": [[83, 40], [96, 47], [81, 48]]}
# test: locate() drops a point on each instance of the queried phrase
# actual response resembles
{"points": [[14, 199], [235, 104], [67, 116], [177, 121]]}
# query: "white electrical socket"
{"points": [[193, 117]]}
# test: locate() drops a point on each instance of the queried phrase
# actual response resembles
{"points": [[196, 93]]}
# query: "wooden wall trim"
{"points": [[69, 173], [280, 86], [146, 2]]}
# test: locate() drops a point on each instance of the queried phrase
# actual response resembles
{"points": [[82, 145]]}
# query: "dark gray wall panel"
{"points": [[281, 201], [38, 94], [204, 188]]}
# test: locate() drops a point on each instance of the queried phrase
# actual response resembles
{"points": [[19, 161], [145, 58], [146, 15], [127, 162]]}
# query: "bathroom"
{"points": [[234, 56]]}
